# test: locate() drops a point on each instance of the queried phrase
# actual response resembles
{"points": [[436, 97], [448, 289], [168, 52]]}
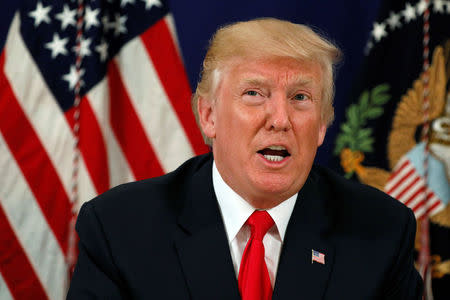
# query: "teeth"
{"points": [[276, 148], [274, 157]]}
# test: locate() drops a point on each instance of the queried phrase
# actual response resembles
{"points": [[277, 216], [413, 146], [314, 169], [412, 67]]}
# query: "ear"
{"points": [[322, 132], [207, 116]]}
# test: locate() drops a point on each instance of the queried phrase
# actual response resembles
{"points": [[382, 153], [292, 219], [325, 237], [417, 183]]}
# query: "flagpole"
{"points": [[424, 254], [71, 254]]}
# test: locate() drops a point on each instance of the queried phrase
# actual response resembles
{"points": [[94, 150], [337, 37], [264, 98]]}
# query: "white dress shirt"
{"points": [[235, 212]]}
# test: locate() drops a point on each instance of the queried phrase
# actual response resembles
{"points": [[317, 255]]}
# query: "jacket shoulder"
{"points": [[156, 199]]}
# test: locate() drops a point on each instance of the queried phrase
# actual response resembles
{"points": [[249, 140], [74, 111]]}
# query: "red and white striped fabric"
{"points": [[134, 123], [408, 186]]}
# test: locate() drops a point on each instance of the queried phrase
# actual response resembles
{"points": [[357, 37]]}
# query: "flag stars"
{"points": [[421, 7], [438, 6], [66, 17], [125, 2], [91, 17], [102, 50], [40, 14], [119, 25], [57, 45], [73, 77], [394, 21], [150, 3], [107, 25], [379, 31], [83, 48], [409, 13]]}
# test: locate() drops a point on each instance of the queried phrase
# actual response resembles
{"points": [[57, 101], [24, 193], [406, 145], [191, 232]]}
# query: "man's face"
{"points": [[266, 126]]}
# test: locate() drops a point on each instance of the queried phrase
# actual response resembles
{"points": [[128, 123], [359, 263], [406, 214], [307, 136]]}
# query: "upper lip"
{"points": [[276, 147]]}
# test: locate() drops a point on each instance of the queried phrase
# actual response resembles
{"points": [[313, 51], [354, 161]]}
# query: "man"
{"points": [[263, 103]]}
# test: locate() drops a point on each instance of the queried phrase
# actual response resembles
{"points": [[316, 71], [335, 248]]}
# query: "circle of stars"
{"points": [[405, 16]]}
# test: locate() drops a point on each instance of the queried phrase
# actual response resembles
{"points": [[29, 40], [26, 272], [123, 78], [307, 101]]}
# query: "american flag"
{"points": [[317, 257], [408, 185], [102, 79]]}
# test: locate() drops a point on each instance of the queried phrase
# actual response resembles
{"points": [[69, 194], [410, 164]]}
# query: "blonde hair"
{"points": [[267, 37]]}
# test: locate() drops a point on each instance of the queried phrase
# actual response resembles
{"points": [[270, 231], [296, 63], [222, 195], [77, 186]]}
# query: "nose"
{"points": [[277, 111]]}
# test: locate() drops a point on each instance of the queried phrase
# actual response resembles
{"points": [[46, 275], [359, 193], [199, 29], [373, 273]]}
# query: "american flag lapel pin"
{"points": [[316, 256]]}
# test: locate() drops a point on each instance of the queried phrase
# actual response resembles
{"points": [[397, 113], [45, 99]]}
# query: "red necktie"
{"points": [[254, 280]]}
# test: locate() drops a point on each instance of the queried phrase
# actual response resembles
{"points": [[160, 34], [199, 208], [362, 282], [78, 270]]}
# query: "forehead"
{"points": [[276, 70]]}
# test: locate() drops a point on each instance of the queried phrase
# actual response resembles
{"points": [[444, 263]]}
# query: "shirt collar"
{"points": [[235, 210]]}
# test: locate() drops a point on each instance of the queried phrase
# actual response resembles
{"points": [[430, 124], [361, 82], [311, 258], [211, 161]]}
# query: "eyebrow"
{"points": [[255, 81], [302, 80]]}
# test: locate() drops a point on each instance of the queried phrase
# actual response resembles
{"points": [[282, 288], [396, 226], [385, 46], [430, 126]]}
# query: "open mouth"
{"points": [[274, 153]]}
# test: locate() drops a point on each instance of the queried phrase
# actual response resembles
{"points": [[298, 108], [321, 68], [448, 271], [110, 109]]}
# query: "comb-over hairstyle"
{"points": [[267, 38]]}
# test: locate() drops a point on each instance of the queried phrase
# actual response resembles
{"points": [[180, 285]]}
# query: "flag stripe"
{"points": [[417, 195], [435, 207], [420, 205], [409, 184], [5, 293], [415, 202], [34, 163], [119, 169], [91, 145], [401, 180], [411, 192], [152, 106], [50, 124], [398, 173], [14, 265], [167, 62], [425, 205], [128, 129], [173, 32], [31, 227]]}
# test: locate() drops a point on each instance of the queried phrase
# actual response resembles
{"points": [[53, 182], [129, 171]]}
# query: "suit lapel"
{"points": [[201, 241], [307, 230]]}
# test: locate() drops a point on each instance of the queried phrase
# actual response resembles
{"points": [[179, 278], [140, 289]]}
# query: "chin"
{"points": [[273, 186]]}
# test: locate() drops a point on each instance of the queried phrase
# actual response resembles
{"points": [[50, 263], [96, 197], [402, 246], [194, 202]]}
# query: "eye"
{"points": [[253, 96], [301, 97], [251, 93]]}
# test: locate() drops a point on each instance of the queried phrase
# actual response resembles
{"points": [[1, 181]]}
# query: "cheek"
{"points": [[240, 122], [308, 131], [229, 124]]}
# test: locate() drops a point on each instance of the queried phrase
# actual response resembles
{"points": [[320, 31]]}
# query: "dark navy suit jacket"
{"points": [[164, 238]]}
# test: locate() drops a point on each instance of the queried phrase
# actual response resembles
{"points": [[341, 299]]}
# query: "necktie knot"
{"points": [[260, 222]]}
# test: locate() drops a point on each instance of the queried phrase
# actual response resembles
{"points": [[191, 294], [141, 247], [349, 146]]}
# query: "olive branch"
{"points": [[353, 135]]}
